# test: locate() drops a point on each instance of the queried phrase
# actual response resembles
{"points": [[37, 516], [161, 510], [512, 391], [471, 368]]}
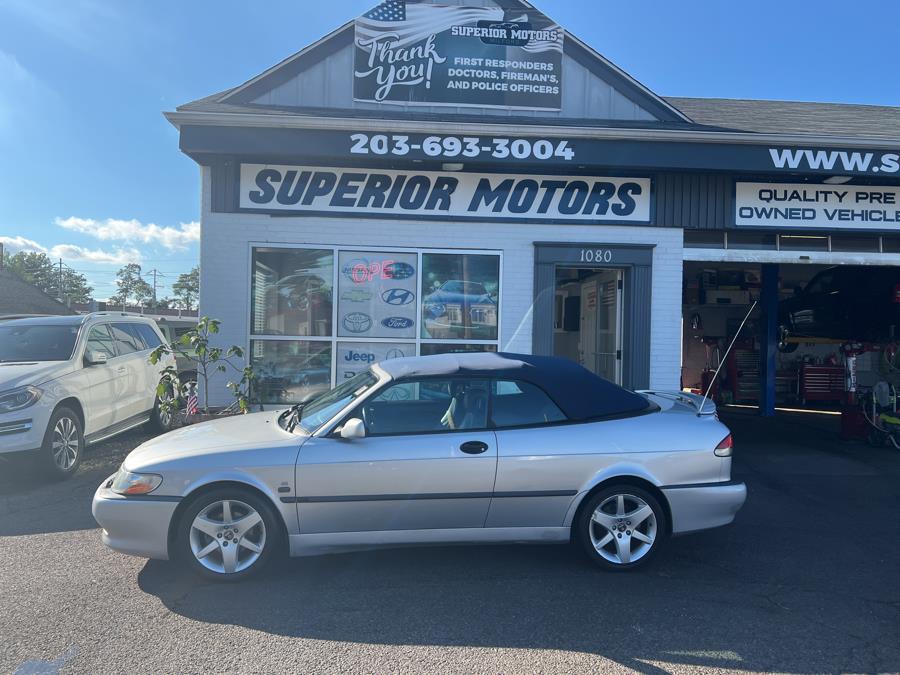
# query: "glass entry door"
{"points": [[588, 325], [600, 350]]}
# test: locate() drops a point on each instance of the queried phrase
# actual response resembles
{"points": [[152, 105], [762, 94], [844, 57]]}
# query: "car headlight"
{"points": [[128, 483], [16, 399]]}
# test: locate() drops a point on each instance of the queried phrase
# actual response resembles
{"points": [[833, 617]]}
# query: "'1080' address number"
{"points": [[466, 146]]}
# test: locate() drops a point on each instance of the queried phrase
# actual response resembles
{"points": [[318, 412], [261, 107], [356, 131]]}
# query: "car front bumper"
{"points": [[701, 507], [134, 525], [23, 430]]}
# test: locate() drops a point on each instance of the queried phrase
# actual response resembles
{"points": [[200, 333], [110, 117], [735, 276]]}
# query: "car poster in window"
{"points": [[460, 296], [377, 294], [355, 357]]}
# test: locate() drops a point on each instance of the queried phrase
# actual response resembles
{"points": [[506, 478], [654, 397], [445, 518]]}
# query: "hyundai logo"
{"points": [[396, 322], [357, 322], [398, 296]]}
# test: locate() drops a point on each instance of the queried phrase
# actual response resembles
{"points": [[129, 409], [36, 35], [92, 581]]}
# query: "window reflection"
{"points": [[289, 371], [460, 296], [291, 291]]}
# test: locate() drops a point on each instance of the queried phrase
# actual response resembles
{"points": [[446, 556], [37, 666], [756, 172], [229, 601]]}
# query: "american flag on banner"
{"points": [[414, 22], [193, 406]]}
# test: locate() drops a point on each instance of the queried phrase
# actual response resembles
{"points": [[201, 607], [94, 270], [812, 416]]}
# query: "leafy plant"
{"points": [[195, 345]]}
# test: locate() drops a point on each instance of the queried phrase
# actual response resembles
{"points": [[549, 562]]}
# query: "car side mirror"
{"points": [[95, 358], [353, 428]]}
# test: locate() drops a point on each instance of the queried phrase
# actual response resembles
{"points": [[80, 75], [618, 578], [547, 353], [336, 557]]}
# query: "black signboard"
{"points": [[458, 56]]}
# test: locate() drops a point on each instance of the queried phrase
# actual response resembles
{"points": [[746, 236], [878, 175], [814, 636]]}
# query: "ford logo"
{"points": [[398, 270], [357, 322], [397, 322], [398, 296]]}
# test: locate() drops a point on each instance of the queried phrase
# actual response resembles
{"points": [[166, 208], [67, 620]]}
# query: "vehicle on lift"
{"points": [[447, 449], [842, 303], [69, 381]]}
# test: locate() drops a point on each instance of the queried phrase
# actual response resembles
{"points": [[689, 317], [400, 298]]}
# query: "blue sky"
{"points": [[91, 170]]}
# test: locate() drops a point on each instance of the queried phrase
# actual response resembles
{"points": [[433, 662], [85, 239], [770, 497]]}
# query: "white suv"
{"points": [[69, 381]]}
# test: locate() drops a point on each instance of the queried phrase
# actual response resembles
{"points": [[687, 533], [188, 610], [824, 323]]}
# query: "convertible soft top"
{"points": [[579, 393]]}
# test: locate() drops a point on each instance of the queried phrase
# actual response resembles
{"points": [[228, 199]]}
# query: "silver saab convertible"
{"points": [[449, 449]]}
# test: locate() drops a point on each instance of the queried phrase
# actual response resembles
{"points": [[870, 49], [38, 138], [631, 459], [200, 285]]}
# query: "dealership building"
{"points": [[471, 176]]}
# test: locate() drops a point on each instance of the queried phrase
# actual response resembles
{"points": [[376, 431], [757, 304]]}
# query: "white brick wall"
{"points": [[225, 268]]}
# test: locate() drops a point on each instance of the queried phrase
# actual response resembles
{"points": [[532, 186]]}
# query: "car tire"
{"points": [[162, 419], [63, 445], [213, 543], [607, 531], [783, 345]]}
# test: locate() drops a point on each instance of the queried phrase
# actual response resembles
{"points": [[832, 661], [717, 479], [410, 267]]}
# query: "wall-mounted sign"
{"points": [[451, 196], [810, 205], [417, 53]]}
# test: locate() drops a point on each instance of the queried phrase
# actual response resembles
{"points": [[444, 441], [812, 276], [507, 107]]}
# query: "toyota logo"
{"points": [[398, 296], [357, 322]]}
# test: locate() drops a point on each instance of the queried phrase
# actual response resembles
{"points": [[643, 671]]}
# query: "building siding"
{"points": [[225, 272]]}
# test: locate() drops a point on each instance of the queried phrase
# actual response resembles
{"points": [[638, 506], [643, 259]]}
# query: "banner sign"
{"points": [[417, 53], [810, 205], [445, 195]]}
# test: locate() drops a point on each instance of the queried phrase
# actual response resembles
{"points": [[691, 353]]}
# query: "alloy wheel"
{"points": [[623, 529], [65, 444], [227, 536]]}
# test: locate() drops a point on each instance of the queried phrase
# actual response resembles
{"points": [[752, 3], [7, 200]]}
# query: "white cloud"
{"points": [[73, 253], [112, 229], [20, 243]]}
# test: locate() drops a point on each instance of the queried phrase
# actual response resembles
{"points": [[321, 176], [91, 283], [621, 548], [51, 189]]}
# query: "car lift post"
{"points": [[768, 299]]}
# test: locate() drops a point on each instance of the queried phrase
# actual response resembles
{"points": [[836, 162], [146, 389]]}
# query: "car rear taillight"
{"points": [[724, 448], [896, 292]]}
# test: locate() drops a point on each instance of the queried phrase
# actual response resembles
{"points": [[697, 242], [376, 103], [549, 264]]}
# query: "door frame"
{"points": [[636, 262]]}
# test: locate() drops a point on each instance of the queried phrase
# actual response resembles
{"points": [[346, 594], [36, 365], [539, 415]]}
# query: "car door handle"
{"points": [[121, 370], [473, 447]]}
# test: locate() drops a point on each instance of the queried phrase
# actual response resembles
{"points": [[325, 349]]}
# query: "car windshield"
{"points": [[325, 406], [37, 343], [464, 287]]}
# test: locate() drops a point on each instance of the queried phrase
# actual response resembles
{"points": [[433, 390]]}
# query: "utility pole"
{"points": [[60, 286], [155, 272]]}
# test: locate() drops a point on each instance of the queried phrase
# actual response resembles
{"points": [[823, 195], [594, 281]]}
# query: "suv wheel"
{"points": [[621, 527], [162, 419], [63, 445], [228, 534], [782, 336]]}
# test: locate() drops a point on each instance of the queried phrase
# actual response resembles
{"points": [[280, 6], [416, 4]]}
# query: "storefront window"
{"points": [[460, 296], [319, 316], [377, 294], [288, 371], [292, 291]]}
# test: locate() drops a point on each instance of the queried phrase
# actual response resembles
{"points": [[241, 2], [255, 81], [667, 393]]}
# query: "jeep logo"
{"points": [[365, 357]]}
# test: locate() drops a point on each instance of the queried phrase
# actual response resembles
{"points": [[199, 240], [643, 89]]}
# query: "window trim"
{"points": [[106, 325], [334, 339]]}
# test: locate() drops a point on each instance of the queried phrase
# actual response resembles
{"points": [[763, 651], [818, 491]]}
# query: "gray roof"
{"points": [[19, 297], [792, 117]]}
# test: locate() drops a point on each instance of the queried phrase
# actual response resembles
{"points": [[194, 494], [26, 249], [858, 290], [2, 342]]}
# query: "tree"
{"points": [[131, 286], [187, 289], [40, 271]]}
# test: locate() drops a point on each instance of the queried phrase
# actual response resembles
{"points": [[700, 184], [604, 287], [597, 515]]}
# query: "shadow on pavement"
{"points": [[32, 504]]}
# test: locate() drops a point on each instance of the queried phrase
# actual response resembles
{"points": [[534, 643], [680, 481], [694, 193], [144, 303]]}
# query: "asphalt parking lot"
{"points": [[806, 580]]}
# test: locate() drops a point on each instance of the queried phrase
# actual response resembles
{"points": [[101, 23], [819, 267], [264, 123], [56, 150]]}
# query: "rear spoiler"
{"points": [[702, 405]]}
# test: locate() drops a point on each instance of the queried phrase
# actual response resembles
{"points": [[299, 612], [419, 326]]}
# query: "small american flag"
{"points": [[390, 10], [192, 403]]}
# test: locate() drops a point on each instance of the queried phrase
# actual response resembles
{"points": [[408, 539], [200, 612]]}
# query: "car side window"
{"points": [[427, 406], [821, 284], [127, 341], [99, 340], [149, 336], [515, 404]]}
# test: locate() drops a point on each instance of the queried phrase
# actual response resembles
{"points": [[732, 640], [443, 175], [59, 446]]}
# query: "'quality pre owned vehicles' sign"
{"points": [[806, 205], [375, 192]]}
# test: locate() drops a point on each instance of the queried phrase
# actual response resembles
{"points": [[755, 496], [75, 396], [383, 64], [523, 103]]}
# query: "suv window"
{"points": [[149, 336], [127, 340], [427, 406], [821, 284], [516, 403], [99, 340]]}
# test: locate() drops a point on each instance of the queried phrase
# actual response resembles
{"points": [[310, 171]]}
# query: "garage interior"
{"points": [[825, 375]]}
